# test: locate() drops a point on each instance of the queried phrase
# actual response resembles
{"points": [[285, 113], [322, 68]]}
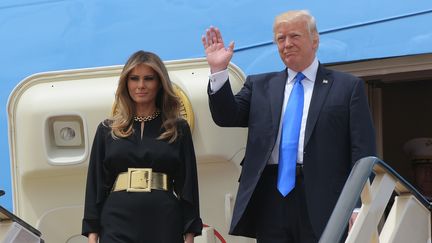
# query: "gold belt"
{"points": [[140, 180]]}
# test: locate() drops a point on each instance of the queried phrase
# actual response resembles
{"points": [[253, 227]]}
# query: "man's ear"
{"points": [[315, 41]]}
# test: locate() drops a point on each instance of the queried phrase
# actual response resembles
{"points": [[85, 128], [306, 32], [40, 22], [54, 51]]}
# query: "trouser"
{"points": [[281, 219]]}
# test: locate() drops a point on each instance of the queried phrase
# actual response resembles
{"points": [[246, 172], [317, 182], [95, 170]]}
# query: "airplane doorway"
{"points": [[400, 98]]}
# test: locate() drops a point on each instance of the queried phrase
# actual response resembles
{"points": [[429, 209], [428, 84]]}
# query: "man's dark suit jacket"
{"points": [[339, 131]]}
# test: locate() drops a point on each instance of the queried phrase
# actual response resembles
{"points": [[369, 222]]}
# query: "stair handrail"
{"points": [[350, 195]]}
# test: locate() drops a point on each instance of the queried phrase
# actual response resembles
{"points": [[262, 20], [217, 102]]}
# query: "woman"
{"points": [[157, 200]]}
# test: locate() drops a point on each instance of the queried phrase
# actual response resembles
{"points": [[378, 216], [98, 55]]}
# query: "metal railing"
{"points": [[409, 219]]}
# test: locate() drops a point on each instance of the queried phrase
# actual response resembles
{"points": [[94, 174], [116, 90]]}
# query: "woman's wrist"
{"points": [[189, 237], [93, 237]]}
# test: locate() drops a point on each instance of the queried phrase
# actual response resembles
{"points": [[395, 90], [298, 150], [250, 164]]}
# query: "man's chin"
{"points": [[289, 61]]}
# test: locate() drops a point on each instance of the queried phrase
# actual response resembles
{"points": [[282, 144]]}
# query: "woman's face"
{"points": [[143, 85]]}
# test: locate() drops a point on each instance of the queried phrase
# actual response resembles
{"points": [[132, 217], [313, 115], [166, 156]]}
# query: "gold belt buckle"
{"points": [[139, 180]]}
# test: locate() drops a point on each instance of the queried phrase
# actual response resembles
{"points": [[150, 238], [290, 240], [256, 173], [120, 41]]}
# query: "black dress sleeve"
{"points": [[96, 191], [186, 182]]}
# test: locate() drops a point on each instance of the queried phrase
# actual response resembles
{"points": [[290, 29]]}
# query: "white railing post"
{"points": [[376, 197], [408, 221]]}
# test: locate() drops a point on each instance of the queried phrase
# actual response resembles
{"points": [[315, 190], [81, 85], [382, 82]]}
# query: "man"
{"points": [[332, 130]]}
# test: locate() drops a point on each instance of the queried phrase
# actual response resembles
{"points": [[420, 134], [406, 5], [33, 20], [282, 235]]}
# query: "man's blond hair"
{"points": [[296, 15]]}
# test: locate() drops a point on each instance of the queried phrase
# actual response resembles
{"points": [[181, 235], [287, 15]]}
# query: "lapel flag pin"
{"points": [[325, 81]]}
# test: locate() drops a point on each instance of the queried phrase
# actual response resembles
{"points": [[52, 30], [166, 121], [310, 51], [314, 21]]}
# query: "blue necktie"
{"points": [[290, 133]]}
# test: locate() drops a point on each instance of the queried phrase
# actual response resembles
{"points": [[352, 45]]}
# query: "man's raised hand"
{"points": [[218, 56]]}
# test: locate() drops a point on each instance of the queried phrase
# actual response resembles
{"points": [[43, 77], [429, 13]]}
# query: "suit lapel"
{"points": [[276, 96], [321, 88]]}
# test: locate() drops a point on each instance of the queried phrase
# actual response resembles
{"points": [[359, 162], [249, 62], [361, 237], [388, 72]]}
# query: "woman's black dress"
{"points": [[142, 217]]}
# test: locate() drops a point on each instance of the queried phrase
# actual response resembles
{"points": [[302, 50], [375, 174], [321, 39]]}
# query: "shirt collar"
{"points": [[310, 72]]}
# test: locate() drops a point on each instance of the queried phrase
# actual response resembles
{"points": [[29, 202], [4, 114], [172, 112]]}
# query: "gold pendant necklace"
{"points": [[147, 118]]}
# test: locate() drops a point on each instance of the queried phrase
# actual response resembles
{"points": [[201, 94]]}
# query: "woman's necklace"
{"points": [[147, 118]]}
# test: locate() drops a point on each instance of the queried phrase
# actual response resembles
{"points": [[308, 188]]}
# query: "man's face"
{"points": [[296, 46]]}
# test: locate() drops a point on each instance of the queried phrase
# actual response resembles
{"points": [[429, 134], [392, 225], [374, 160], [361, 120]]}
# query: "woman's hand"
{"points": [[93, 238], [189, 237]]}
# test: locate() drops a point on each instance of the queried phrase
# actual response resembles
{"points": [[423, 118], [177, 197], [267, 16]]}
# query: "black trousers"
{"points": [[281, 219]]}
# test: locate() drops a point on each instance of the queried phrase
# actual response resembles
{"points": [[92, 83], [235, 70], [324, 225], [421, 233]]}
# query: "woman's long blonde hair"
{"points": [[166, 100]]}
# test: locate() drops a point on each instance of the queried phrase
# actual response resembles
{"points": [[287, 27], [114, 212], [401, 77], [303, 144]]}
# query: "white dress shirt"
{"points": [[217, 80]]}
